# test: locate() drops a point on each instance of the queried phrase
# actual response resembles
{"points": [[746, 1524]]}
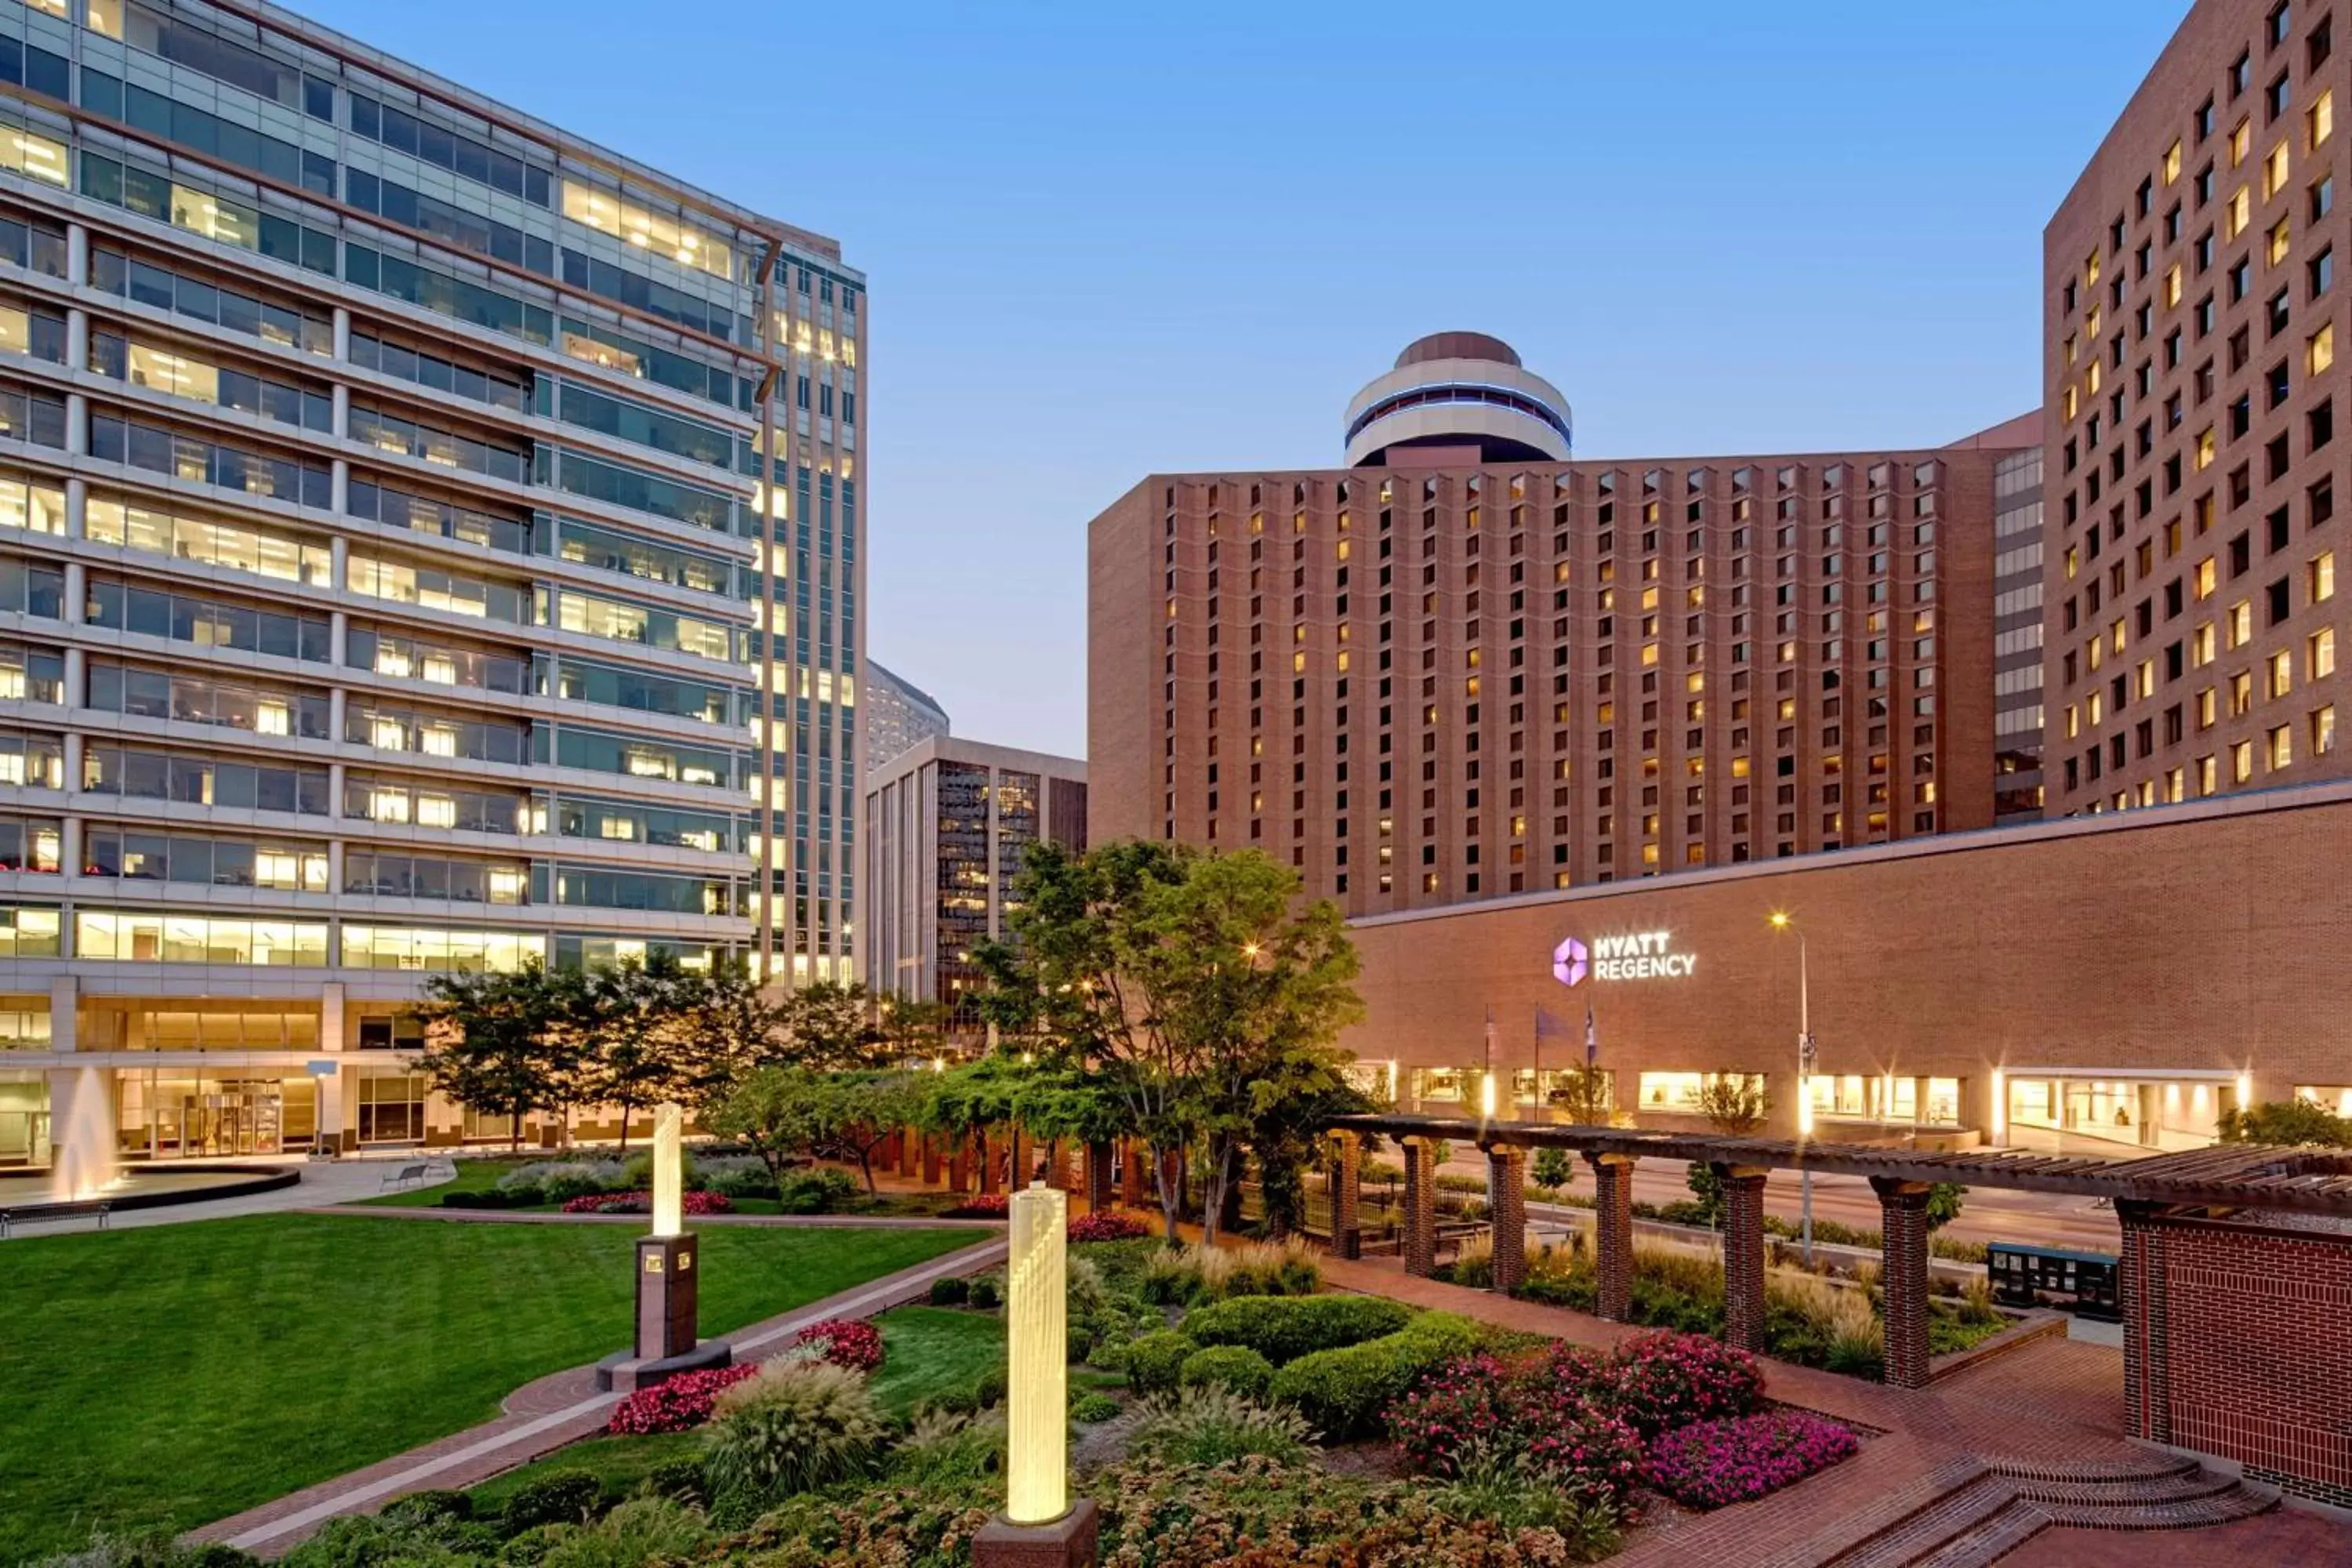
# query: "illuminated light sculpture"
{"points": [[668, 1277], [1040, 1527]]}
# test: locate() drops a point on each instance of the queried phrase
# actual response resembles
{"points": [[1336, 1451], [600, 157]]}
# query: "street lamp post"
{"points": [[1805, 1063]]}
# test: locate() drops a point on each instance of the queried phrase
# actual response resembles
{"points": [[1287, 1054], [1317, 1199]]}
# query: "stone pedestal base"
{"points": [[624, 1372], [1068, 1542]]}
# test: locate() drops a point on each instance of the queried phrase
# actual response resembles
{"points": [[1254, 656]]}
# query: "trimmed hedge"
{"points": [[1346, 1393], [1284, 1328], [1155, 1362], [1235, 1367]]}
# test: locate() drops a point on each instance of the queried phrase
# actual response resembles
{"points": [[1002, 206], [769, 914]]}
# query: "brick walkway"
{"points": [[2051, 1405], [545, 1414]]}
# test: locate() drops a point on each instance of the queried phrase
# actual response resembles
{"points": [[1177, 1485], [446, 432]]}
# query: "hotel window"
{"points": [[1683, 1094], [392, 1108], [28, 932], [2242, 762], [2281, 747], [265, 553], [645, 229], [2322, 576], [2320, 119], [424, 949], [2323, 729]]}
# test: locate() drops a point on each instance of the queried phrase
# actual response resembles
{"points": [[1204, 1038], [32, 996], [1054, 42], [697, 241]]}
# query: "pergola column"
{"points": [[1506, 1192], [959, 1154], [1903, 1222], [1347, 1195], [1131, 1175], [931, 1161], [1743, 1255], [1612, 1234], [987, 1159], [1100, 1170], [1420, 1207]]}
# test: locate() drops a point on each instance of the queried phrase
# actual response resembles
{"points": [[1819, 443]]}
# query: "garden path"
{"points": [[545, 1414]]}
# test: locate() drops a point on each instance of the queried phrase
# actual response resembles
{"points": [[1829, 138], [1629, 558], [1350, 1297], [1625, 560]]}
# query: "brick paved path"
{"points": [[544, 1415], [2051, 1408]]}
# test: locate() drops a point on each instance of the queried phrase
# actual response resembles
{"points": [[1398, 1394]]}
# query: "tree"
{"points": [[1733, 1103], [633, 1018], [967, 1101], [505, 1044], [784, 1111], [1943, 1201], [1583, 1094], [728, 1025], [2286, 1123], [773, 1109], [833, 1026], [913, 1032], [1189, 983], [1288, 1139], [1553, 1168]]}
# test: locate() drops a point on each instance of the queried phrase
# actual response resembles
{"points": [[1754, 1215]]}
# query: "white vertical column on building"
{"points": [[65, 1083], [65, 1014], [342, 330], [332, 1044], [76, 425], [77, 509], [77, 254], [77, 339]]}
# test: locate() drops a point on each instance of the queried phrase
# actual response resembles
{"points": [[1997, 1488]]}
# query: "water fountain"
{"points": [[81, 1136]]}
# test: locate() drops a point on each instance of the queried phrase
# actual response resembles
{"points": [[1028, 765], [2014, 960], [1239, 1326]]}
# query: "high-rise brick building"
{"points": [[2193, 465], [1469, 666]]}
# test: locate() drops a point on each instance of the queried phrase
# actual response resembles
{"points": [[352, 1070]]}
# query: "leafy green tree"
{"points": [[2286, 1123], [1553, 1168], [971, 1099], [786, 1112], [1582, 1095], [506, 1043], [773, 1108], [1287, 1138], [1944, 1202], [633, 1022], [1192, 983], [728, 1025], [833, 1026]]}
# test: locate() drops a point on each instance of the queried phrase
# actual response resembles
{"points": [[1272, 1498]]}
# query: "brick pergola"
{"points": [[2236, 1273]]}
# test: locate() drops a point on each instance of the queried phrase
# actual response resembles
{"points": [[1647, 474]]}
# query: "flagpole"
{"points": [[1542, 1106]]}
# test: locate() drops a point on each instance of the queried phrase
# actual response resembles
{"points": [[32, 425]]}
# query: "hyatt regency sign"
{"points": [[1639, 955]]}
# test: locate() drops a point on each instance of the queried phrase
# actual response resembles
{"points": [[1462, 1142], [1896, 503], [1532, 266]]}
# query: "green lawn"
{"points": [[926, 1351], [174, 1375], [480, 1174]]}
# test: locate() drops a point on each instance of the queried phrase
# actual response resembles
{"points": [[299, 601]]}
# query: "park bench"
{"points": [[405, 1176], [39, 1214]]}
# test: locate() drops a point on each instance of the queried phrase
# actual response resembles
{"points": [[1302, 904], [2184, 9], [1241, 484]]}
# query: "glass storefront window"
{"points": [[2153, 1112], [391, 1107], [23, 1119], [1930, 1102], [143, 937], [417, 948], [166, 1115], [1438, 1083], [1679, 1093]]}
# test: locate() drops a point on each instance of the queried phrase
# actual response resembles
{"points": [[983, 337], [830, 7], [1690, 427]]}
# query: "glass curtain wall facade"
{"points": [[428, 541]]}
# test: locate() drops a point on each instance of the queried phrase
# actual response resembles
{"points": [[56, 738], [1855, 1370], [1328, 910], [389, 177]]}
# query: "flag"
{"points": [[1550, 1027]]}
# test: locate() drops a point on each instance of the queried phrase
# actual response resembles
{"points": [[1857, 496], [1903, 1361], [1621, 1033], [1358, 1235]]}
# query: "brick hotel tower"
{"points": [[1465, 666], [2193, 325]]}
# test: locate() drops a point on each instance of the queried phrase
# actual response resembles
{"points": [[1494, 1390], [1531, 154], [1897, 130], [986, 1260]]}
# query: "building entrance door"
{"points": [[234, 1116]]}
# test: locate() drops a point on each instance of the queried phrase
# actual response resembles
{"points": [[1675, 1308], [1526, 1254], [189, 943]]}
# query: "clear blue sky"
{"points": [[1105, 239]]}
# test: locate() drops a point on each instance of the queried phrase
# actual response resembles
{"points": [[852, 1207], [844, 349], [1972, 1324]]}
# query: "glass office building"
{"points": [[428, 541]]}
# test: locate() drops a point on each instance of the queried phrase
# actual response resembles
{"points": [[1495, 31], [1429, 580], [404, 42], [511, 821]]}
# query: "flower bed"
{"points": [[1710, 1464], [981, 1206], [676, 1405], [692, 1203], [847, 1341], [1553, 1406], [1107, 1224]]}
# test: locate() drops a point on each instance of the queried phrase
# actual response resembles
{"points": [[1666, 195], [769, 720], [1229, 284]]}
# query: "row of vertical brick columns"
{"points": [[987, 1159], [1506, 1192], [932, 1160], [1903, 1219], [960, 1164], [1347, 1195], [1420, 1207], [1101, 1168], [1613, 1233], [1743, 1256]]}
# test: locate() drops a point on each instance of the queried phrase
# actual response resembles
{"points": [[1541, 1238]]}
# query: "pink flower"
{"points": [[847, 1341], [683, 1402], [1713, 1463]]}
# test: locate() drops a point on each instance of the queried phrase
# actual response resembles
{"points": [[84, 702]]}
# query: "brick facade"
{"points": [[1743, 1256], [2206, 937], [1420, 1207], [1612, 1230], [1506, 1183], [2233, 1346], [1903, 1225]]}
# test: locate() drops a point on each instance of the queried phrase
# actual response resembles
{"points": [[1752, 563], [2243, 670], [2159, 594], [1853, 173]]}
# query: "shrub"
{"points": [[692, 1203], [424, 1507], [678, 1404], [681, 1478], [741, 1179], [1284, 1328], [1234, 1367], [361, 1541], [1267, 1268], [1218, 1425], [1091, 1409], [148, 1551], [496, 1198], [988, 1389], [846, 1341], [985, 1293], [1155, 1363], [637, 1170], [1657, 1382], [793, 1428], [641, 1531], [953, 1290], [1347, 1393], [1712, 1463], [945, 1449], [560, 1181], [559, 1496], [1517, 1494], [1552, 1168], [1107, 1224], [1484, 1403], [981, 1205], [1171, 1276], [819, 1191]]}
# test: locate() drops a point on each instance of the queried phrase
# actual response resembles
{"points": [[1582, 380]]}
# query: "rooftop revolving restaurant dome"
{"points": [[1458, 390]]}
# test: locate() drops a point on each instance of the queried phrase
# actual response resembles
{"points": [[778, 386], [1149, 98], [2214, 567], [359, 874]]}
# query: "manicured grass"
{"points": [[174, 1375], [934, 1350], [473, 1177], [928, 1351]]}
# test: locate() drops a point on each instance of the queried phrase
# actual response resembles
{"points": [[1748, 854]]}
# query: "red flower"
{"points": [[693, 1203], [683, 1402], [1107, 1224], [847, 1342]]}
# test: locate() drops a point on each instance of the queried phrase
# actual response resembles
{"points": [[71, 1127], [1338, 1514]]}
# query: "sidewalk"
{"points": [[546, 1415]]}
